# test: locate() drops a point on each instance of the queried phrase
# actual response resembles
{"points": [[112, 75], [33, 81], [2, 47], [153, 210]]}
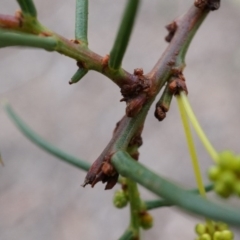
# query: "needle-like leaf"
{"points": [[123, 35], [9, 38], [152, 204], [81, 22], [28, 7], [79, 74]]}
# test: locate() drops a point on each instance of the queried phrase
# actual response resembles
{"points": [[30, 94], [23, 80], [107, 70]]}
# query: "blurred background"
{"points": [[40, 196]]}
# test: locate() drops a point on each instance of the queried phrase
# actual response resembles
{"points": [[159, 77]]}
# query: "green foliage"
{"points": [[165, 203], [8, 39], [81, 26], [123, 35]]}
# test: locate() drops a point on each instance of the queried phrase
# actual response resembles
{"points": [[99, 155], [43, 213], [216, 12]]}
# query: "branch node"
{"points": [[207, 4], [172, 27], [136, 93], [104, 61], [76, 41], [138, 72], [163, 105], [178, 85]]}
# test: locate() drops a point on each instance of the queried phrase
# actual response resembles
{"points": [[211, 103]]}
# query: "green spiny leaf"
{"points": [[123, 35], [28, 7], [81, 22], [10, 38], [79, 74], [165, 203]]}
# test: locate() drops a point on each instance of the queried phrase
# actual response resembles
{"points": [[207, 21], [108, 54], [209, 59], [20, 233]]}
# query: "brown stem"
{"points": [[173, 57], [170, 64], [73, 49], [127, 134], [138, 90]]}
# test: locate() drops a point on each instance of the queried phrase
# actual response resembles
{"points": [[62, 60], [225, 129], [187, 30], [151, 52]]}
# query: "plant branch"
{"points": [[81, 22], [152, 204], [73, 49], [126, 130], [129, 168], [36, 139], [92, 61], [132, 191], [173, 59], [123, 35], [163, 70], [142, 101]]}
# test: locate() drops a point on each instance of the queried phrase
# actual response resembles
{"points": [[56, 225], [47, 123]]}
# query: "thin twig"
{"points": [[174, 55], [72, 49], [123, 35], [135, 206]]}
